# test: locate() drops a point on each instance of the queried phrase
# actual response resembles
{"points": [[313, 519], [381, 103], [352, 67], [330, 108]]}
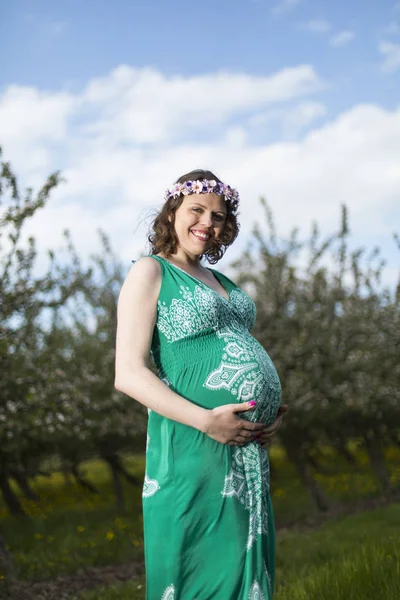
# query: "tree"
{"points": [[328, 325], [26, 298]]}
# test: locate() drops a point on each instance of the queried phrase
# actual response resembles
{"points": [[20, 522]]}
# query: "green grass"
{"points": [[134, 590], [70, 529], [370, 573], [352, 558], [336, 542]]}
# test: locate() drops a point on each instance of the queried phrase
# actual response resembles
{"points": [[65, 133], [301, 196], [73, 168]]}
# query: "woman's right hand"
{"points": [[224, 426]]}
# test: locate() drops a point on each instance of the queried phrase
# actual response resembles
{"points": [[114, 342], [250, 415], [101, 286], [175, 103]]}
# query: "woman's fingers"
{"points": [[282, 410], [246, 434], [251, 432], [274, 427], [252, 426]]}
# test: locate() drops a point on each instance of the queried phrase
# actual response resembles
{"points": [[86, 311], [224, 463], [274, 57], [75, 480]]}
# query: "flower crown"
{"points": [[205, 187]]}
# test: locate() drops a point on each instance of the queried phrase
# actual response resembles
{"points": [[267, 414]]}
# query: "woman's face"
{"points": [[199, 220]]}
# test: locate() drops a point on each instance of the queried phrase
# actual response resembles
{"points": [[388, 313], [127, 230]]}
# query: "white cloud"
{"points": [[139, 107], [32, 120], [342, 38], [290, 122], [317, 26], [117, 169], [284, 6], [392, 56], [143, 106], [392, 29]]}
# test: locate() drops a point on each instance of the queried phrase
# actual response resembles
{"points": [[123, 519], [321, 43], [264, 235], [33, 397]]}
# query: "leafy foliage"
{"points": [[333, 332]]}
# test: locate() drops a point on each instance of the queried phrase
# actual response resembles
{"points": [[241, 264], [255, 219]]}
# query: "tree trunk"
{"points": [[10, 498], [67, 475], [313, 462], [115, 474], [340, 444], [299, 459], [24, 485], [83, 482], [342, 449], [376, 455], [121, 469]]}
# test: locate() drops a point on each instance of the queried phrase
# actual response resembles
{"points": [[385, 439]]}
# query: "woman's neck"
{"points": [[185, 260]]}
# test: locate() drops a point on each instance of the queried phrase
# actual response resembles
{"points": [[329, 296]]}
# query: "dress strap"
{"points": [[159, 259]]}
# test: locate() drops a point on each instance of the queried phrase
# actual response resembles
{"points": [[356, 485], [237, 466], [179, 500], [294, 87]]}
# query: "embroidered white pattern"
{"points": [[247, 371], [188, 315], [169, 593], [150, 487], [248, 481], [245, 307], [256, 592]]}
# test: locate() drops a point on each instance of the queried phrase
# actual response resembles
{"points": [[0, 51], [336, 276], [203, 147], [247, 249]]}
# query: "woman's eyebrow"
{"points": [[214, 211]]}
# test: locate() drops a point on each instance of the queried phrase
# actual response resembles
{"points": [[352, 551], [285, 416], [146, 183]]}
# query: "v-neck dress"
{"points": [[208, 520]]}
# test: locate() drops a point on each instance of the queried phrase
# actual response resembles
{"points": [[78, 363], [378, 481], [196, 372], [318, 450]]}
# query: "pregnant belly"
{"points": [[238, 370]]}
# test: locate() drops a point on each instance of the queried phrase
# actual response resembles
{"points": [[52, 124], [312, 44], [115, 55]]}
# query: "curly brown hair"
{"points": [[163, 237]]}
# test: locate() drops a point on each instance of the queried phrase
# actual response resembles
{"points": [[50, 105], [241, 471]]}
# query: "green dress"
{"points": [[208, 520]]}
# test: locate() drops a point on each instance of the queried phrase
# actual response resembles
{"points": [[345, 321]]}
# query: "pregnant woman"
{"points": [[208, 520]]}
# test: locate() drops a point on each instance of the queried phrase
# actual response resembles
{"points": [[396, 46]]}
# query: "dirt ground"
{"points": [[69, 586]]}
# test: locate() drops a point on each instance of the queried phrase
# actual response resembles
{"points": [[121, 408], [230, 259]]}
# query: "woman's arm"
{"points": [[137, 311]]}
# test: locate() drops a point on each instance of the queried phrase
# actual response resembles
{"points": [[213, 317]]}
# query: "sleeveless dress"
{"points": [[208, 521]]}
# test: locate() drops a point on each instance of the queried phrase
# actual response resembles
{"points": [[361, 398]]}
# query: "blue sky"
{"points": [[63, 44], [281, 81]]}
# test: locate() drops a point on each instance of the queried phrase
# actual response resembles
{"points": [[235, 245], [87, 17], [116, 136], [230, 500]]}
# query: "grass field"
{"points": [[70, 529], [352, 558]]}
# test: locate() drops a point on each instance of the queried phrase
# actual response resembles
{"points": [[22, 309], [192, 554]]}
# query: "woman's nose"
{"points": [[206, 220]]}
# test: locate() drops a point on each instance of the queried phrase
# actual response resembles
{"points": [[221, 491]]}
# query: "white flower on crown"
{"points": [[197, 187], [206, 186]]}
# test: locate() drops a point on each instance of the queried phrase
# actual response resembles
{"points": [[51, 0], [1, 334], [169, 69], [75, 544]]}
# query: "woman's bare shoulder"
{"points": [[145, 271]]}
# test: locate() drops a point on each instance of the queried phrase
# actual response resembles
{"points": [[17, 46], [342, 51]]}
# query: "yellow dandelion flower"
{"points": [[80, 528], [110, 535]]}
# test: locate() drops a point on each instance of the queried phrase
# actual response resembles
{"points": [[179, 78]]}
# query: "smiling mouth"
{"points": [[203, 237]]}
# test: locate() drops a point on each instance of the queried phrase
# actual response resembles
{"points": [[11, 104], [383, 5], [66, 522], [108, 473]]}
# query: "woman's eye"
{"points": [[196, 209]]}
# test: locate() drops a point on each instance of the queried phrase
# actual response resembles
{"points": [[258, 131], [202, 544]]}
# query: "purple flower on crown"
{"points": [[203, 187], [186, 188], [218, 189]]}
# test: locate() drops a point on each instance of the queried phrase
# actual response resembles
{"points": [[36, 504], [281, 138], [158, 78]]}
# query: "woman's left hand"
{"points": [[265, 438]]}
